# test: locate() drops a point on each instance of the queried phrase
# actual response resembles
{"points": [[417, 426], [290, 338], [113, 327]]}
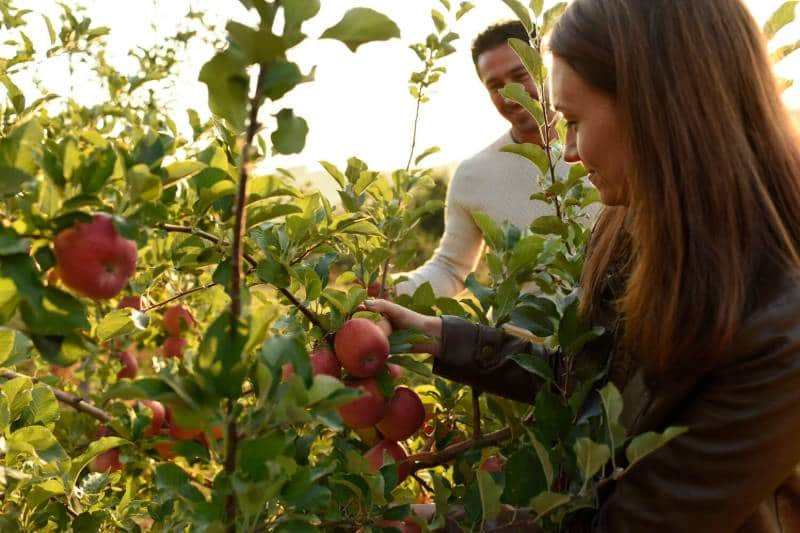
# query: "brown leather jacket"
{"points": [[735, 470]]}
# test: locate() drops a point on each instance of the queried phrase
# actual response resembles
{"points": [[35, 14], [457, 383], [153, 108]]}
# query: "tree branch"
{"points": [[173, 228], [476, 413], [76, 402], [178, 296], [423, 460]]}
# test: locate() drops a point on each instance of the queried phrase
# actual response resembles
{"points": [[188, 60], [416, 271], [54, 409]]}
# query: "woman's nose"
{"points": [[571, 149]]}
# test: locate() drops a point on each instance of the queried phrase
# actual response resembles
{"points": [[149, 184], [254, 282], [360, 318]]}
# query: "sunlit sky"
{"points": [[359, 104]]}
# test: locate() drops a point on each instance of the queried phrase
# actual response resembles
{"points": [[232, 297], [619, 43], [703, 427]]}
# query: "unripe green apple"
{"points": [[361, 347], [404, 415], [367, 410], [94, 259], [374, 457]]}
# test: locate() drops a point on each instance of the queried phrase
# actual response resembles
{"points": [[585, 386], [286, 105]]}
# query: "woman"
{"points": [[693, 266]]}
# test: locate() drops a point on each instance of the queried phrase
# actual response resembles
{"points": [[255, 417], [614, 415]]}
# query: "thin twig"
{"points": [[204, 235], [305, 310], [179, 296], [76, 402], [423, 483]]}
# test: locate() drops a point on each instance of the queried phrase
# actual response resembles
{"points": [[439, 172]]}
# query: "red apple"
{"points": [[156, 418], [395, 371], [374, 457], [134, 302], [323, 361], [107, 461], [178, 432], [366, 410], [493, 463], [173, 346], [94, 259], [130, 366], [164, 449], [406, 526], [374, 289], [404, 415], [178, 319], [286, 371], [361, 347]]}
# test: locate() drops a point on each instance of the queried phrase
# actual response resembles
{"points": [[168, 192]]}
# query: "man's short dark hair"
{"points": [[496, 35]]}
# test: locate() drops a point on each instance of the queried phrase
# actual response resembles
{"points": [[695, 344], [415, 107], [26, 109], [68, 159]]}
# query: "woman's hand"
{"points": [[399, 317]]}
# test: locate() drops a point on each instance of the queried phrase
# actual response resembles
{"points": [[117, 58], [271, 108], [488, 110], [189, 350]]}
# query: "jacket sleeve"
{"points": [[477, 355], [742, 443], [459, 250]]}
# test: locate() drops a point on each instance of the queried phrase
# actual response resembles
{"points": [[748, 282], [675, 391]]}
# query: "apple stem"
{"points": [[76, 402]]}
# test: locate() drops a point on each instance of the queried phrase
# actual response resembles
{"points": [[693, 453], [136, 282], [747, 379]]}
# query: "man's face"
{"points": [[498, 67]]}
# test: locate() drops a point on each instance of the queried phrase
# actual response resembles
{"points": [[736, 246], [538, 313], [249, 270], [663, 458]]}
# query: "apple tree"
{"points": [[182, 340]]}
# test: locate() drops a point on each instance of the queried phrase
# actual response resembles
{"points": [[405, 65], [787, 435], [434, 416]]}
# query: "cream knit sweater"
{"points": [[499, 184]]}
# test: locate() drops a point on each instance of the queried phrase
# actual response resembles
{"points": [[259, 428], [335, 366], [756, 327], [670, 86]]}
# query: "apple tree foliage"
{"points": [[270, 269]]}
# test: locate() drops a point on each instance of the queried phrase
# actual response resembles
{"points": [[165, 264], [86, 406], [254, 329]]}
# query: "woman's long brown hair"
{"points": [[715, 188]]}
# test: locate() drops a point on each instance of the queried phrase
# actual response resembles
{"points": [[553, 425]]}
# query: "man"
{"points": [[497, 183]]}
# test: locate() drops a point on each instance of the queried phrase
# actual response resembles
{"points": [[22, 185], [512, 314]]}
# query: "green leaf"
{"points": [[612, 406], [143, 185], [591, 457], [361, 227], [273, 272], [779, 54], [12, 244], [18, 396], [553, 419], [22, 147], [521, 12], [295, 12], [290, 137], [180, 169], [784, 15], [103, 444], [537, 6], [43, 408], [121, 322], [551, 16], [463, 9], [490, 493], [525, 477], [228, 84], [430, 151], [438, 20], [490, 230], [647, 443], [7, 338], [58, 314], [362, 25], [280, 78], [544, 459], [534, 364], [532, 60], [262, 213], [258, 46], [220, 357], [516, 93], [548, 501], [410, 363], [36, 441], [335, 173], [12, 180]]}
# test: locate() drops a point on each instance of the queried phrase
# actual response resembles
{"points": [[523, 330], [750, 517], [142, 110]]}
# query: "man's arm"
{"points": [[459, 250]]}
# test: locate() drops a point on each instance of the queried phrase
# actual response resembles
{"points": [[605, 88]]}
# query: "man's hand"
{"points": [[398, 317]]}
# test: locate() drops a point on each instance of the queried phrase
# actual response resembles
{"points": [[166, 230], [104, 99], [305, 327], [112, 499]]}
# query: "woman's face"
{"points": [[594, 132]]}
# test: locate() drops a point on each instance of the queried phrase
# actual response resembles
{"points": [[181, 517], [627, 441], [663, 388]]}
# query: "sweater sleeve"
{"points": [[478, 355], [459, 250]]}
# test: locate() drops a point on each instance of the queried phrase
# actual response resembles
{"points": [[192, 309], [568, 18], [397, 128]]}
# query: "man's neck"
{"points": [[526, 136]]}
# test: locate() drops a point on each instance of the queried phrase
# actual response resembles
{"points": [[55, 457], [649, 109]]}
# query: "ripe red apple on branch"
{"points": [[134, 302], [108, 461], [157, 417], [404, 415], [367, 410], [130, 366], [94, 259], [374, 457], [361, 347], [173, 346], [177, 320]]}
